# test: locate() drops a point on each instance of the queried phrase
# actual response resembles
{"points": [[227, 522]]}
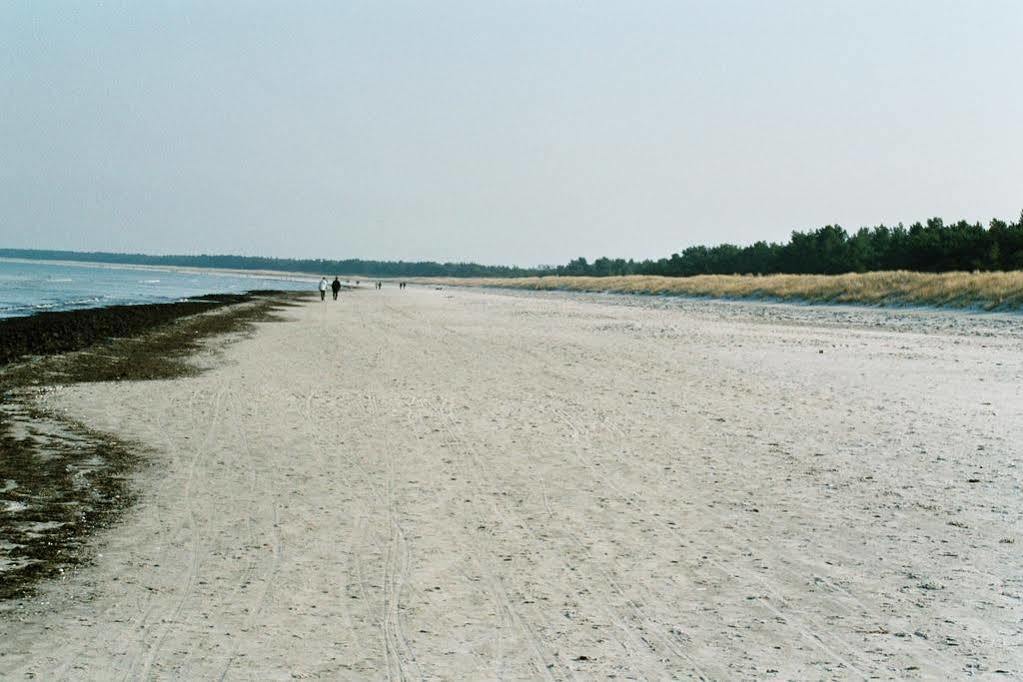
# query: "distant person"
{"points": [[335, 286], [323, 289]]}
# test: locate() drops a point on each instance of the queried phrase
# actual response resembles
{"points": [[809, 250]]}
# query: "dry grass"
{"points": [[987, 290]]}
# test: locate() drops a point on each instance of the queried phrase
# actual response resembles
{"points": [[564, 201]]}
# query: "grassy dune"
{"points": [[987, 290]]}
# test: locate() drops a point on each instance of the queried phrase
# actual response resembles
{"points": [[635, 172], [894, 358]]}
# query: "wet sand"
{"points": [[461, 484]]}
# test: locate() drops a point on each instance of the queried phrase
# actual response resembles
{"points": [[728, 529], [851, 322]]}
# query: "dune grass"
{"points": [[985, 290]]}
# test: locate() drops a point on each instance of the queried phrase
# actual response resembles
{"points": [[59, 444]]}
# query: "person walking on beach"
{"points": [[335, 286], [323, 289]]}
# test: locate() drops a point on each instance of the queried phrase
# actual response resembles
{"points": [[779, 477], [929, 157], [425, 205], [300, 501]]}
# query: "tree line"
{"points": [[830, 250], [924, 247]]}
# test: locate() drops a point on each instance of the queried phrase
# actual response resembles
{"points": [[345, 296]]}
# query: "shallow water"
{"points": [[28, 287]]}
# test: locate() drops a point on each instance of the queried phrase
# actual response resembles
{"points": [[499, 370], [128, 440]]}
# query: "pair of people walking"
{"points": [[335, 287]]}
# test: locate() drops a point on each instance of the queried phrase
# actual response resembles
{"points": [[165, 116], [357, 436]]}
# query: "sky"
{"points": [[512, 132]]}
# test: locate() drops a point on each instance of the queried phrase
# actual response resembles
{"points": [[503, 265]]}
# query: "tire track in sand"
{"points": [[187, 585], [541, 658], [842, 605], [810, 631], [397, 564], [637, 643]]}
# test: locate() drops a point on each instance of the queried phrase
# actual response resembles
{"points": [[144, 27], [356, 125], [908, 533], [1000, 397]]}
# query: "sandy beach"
{"points": [[467, 484]]}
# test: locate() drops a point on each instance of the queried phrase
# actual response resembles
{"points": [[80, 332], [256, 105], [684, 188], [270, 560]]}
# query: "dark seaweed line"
{"points": [[48, 333]]}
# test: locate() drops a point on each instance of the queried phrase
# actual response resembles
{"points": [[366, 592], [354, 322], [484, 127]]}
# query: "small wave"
{"points": [[16, 310], [149, 281], [59, 279]]}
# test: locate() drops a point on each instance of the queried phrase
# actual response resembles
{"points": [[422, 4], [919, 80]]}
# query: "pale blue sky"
{"points": [[503, 132]]}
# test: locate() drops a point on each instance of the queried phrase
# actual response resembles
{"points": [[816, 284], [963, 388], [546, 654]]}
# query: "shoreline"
{"points": [[284, 275], [249, 280], [50, 332], [61, 480]]}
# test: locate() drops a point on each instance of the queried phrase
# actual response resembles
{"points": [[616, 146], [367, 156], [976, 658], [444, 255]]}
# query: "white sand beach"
{"points": [[467, 484]]}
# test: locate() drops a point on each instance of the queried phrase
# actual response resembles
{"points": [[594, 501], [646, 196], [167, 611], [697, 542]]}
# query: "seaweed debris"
{"points": [[61, 481]]}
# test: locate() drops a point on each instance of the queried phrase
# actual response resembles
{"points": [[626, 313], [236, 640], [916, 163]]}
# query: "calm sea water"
{"points": [[28, 287]]}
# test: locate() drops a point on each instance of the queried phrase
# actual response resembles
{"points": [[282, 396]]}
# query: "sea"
{"points": [[28, 287]]}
